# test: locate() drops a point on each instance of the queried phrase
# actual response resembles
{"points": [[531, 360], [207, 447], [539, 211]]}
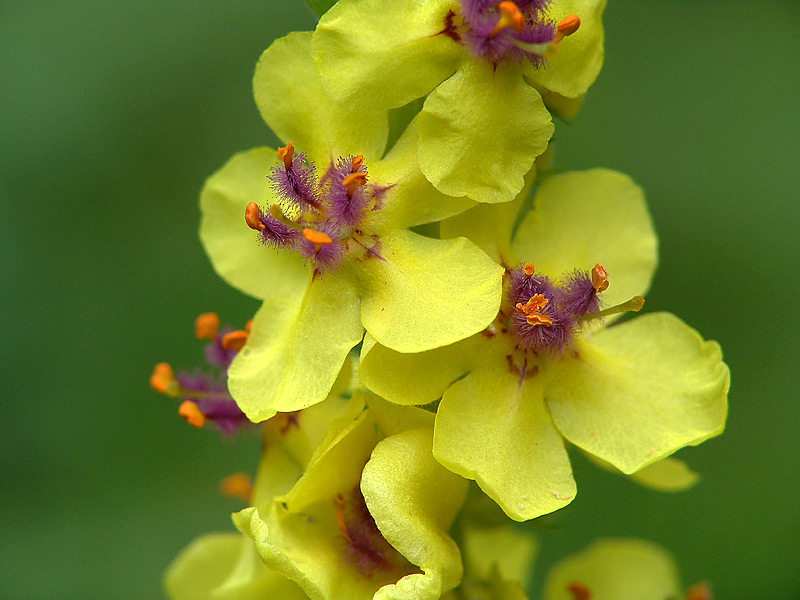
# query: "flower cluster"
{"points": [[445, 310]]}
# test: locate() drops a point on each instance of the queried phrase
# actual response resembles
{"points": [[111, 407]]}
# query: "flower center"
{"points": [[320, 218], [510, 31], [546, 316]]}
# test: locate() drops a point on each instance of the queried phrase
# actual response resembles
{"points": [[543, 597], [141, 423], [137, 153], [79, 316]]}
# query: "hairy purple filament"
{"points": [[480, 18], [552, 329], [326, 212]]}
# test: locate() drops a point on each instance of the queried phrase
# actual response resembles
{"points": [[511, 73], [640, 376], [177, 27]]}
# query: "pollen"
{"points": [[528, 269], [286, 154], [599, 278], [163, 380], [191, 414], [234, 340], [252, 216], [318, 238], [357, 162], [510, 17], [354, 180], [532, 310], [237, 485], [206, 326], [567, 26]]}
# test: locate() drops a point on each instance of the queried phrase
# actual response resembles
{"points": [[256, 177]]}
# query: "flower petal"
{"points": [[291, 100], [616, 569], [414, 378], [235, 252], [425, 293], [639, 391], [580, 56], [489, 226], [492, 429], [296, 348], [225, 566], [412, 200], [666, 475], [588, 217], [503, 548], [414, 501], [384, 53], [480, 131]]}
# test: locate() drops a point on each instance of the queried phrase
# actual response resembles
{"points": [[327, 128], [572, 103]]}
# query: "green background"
{"points": [[113, 113]]}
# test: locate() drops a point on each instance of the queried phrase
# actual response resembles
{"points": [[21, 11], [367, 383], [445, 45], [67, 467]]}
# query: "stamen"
{"points": [[276, 212], [237, 485], [341, 521], [510, 17], [532, 310], [249, 325], [635, 304], [286, 154], [699, 591], [206, 326], [357, 162], [567, 26], [352, 181], [579, 591], [191, 414], [163, 380], [528, 269], [235, 340], [599, 278], [252, 216], [318, 238]]}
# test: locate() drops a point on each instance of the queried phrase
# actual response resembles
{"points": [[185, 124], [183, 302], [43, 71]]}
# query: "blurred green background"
{"points": [[113, 113]]}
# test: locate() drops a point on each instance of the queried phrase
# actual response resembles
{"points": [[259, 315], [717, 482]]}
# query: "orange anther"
{"points": [[234, 340], [191, 414], [599, 278], [528, 269], [249, 325], [286, 154], [569, 25], [352, 181], [252, 216], [510, 16], [206, 326], [699, 591], [318, 238], [579, 591], [163, 380], [357, 162], [237, 485], [532, 310]]}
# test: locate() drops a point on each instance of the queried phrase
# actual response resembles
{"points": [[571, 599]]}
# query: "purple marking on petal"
{"points": [[298, 185]]}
